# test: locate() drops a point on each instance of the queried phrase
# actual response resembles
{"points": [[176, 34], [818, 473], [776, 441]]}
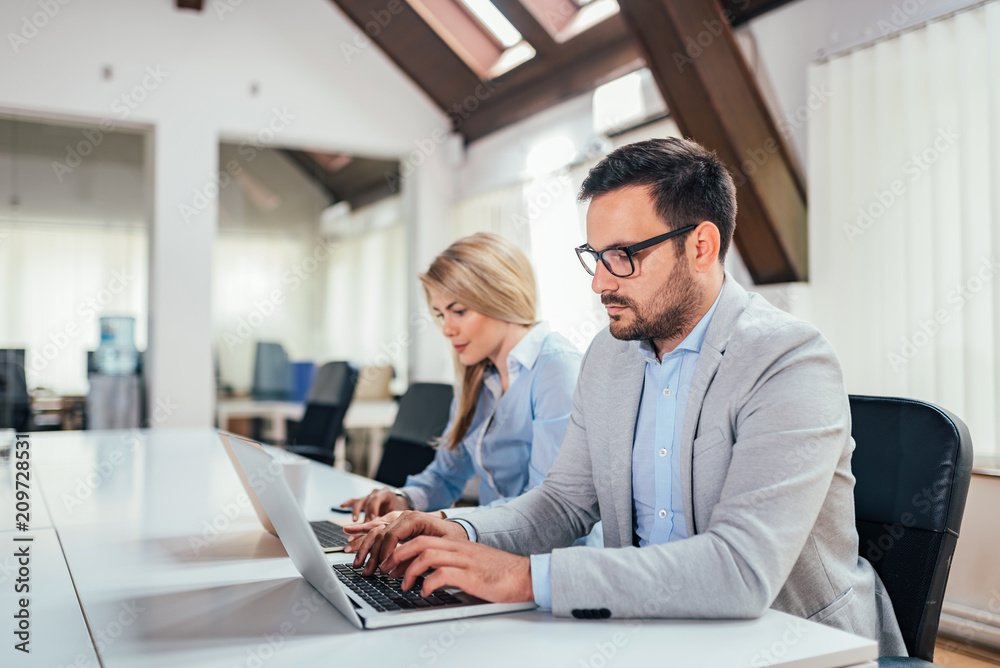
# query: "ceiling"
{"points": [[557, 72]]}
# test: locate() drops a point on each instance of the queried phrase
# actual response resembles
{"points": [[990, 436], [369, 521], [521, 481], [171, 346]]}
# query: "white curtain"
{"points": [[57, 281], [322, 297], [265, 287], [904, 203], [542, 217], [365, 303]]}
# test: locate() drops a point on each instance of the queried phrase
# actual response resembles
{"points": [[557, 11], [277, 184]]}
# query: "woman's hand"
{"points": [[379, 502]]}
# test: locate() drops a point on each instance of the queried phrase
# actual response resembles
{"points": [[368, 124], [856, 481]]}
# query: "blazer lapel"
{"points": [[731, 305], [624, 394]]}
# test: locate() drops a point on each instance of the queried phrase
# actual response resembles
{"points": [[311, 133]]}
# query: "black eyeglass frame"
{"points": [[630, 251]]}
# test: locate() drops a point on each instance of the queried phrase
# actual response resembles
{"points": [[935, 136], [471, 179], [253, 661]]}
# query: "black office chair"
{"points": [[15, 402], [422, 417], [323, 421], [913, 463]]}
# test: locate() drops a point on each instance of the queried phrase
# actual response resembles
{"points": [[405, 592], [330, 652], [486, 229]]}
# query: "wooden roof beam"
{"points": [[714, 98]]}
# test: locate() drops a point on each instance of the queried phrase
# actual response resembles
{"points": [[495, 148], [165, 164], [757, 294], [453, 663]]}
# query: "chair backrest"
{"points": [[334, 384], [913, 462], [329, 399], [422, 417], [272, 373], [15, 403]]}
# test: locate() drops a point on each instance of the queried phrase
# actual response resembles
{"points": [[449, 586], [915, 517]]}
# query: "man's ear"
{"points": [[706, 245]]}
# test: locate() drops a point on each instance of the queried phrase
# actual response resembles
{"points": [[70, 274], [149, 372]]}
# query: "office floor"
{"points": [[951, 653]]}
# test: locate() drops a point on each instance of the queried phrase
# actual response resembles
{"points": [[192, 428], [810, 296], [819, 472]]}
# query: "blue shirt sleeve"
{"points": [[441, 483], [469, 529], [551, 405], [541, 580]]}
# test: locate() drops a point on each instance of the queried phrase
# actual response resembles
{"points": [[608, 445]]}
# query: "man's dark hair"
{"points": [[688, 184]]}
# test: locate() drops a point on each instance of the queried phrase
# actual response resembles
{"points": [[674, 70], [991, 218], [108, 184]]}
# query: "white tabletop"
{"points": [[162, 543]]}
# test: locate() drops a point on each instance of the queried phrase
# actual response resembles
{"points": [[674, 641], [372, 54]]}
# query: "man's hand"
{"points": [[379, 502], [381, 538], [355, 542], [491, 574]]}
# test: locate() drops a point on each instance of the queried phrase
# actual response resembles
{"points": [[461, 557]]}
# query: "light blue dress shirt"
{"points": [[514, 435], [657, 505]]}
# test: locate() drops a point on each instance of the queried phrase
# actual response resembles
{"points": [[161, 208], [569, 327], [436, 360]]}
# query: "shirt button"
{"points": [[663, 452], [663, 513], [666, 392]]}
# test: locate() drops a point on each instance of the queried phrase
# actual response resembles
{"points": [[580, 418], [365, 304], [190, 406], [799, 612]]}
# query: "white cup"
{"points": [[296, 472]]}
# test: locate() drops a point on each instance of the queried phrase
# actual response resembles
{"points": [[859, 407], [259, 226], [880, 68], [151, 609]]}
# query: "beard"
{"points": [[671, 310]]}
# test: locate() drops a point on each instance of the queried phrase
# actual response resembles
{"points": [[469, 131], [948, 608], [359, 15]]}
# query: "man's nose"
{"points": [[604, 280]]}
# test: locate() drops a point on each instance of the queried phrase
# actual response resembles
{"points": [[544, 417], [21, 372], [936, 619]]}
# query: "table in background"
{"points": [[373, 416], [164, 551]]}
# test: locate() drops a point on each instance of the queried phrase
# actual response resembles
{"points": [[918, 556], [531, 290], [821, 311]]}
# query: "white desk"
{"points": [[162, 542]]}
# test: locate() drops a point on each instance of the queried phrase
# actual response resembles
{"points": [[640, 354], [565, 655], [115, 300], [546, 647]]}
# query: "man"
{"points": [[710, 432]]}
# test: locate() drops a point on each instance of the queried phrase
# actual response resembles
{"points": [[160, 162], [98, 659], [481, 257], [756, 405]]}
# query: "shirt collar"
{"points": [[524, 354], [527, 349], [692, 342]]}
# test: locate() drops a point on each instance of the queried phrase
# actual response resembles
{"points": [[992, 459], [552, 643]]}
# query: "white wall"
{"points": [[188, 78]]}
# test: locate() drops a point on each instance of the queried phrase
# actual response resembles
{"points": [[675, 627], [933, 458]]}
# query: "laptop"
{"points": [[330, 534], [369, 603]]}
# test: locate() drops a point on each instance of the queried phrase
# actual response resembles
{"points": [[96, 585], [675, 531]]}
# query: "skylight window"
{"points": [[495, 22], [478, 33], [565, 19]]}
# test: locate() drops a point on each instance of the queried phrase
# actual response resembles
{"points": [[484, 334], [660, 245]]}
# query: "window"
{"points": [[565, 19], [478, 32]]}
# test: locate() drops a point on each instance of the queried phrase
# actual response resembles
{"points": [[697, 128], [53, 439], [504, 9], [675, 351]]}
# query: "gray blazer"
{"points": [[766, 481]]}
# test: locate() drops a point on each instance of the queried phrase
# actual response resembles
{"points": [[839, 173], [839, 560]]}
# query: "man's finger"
{"points": [[366, 546], [364, 527], [408, 550], [431, 559], [448, 577], [373, 551]]}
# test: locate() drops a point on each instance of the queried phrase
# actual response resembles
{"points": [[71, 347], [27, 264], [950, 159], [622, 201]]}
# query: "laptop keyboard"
{"points": [[330, 534], [384, 593]]}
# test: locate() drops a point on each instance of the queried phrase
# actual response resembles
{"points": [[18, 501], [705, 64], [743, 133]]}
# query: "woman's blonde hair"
{"points": [[491, 276]]}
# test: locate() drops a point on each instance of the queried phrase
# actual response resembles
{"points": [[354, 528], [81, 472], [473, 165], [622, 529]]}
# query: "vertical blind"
{"points": [[904, 204]]}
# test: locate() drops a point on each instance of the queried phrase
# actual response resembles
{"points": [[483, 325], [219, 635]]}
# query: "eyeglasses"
{"points": [[619, 261]]}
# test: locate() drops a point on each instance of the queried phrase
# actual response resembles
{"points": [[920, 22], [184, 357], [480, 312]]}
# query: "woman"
{"points": [[516, 382]]}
